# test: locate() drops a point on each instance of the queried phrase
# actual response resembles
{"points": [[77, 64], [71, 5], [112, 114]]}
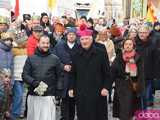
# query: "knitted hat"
{"points": [[38, 28], [4, 20], [36, 17], [144, 27], [59, 27], [71, 30], [115, 31]]}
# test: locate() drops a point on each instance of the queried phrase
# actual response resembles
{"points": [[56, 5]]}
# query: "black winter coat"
{"points": [[156, 41], [118, 71], [123, 104], [148, 52], [91, 73], [42, 67], [65, 54]]}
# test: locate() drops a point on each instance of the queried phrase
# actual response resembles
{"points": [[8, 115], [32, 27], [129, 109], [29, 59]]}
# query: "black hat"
{"points": [[26, 17], [156, 24], [91, 21], [38, 28], [44, 14]]}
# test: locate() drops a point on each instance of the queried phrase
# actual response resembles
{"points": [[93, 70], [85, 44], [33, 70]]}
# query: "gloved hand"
{"points": [[42, 87]]}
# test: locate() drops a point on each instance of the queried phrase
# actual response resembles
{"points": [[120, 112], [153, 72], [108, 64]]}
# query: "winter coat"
{"points": [[6, 57], [20, 56], [31, 45], [91, 73], [109, 49], [53, 40], [65, 54], [157, 64], [148, 52], [156, 41], [155, 35], [6, 61], [42, 67], [123, 104]]}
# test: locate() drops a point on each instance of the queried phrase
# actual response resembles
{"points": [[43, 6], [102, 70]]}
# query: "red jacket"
{"points": [[31, 45]]}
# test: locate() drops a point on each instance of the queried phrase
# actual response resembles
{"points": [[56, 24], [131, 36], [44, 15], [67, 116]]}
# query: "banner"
{"points": [[16, 9]]}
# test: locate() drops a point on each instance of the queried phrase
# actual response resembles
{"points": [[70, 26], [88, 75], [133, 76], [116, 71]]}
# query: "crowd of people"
{"points": [[76, 64]]}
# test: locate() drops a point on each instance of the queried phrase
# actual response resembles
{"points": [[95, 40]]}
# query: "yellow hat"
{"points": [[4, 20]]}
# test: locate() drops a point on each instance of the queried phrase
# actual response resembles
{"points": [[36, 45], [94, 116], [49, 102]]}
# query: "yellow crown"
{"points": [[5, 35]]}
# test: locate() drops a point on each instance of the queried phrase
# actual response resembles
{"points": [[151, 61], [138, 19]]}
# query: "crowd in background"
{"points": [[133, 52]]}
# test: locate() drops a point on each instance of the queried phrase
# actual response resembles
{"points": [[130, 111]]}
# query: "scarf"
{"points": [[130, 65]]}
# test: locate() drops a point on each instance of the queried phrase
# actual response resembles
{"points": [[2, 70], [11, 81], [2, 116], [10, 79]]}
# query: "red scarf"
{"points": [[130, 65]]}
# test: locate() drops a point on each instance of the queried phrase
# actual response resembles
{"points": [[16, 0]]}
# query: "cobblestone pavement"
{"points": [[109, 114]]}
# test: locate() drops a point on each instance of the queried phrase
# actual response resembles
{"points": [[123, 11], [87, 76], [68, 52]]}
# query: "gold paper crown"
{"points": [[5, 35]]}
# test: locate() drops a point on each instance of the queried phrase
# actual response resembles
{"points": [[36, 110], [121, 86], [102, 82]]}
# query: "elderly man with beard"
{"points": [[41, 72], [148, 51], [91, 79]]}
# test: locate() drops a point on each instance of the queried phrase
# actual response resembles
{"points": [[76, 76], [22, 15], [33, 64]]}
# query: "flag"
{"points": [[52, 4], [150, 13], [16, 9]]}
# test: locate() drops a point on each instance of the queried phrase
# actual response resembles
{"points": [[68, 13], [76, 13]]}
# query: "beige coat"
{"points": [[110, 49]]}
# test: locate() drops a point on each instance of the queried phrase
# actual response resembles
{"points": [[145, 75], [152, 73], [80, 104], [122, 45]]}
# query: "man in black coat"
{"points": [[147, 50], [155, 35], [91, 80], [41, 72], [65, 50]]}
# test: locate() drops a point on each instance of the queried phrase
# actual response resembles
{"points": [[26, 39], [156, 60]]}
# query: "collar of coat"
{"points": [[41, 53], [90, 51]]}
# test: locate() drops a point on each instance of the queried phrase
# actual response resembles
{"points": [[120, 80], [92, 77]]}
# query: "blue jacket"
{"points": [[6, 61], [6, 57]]}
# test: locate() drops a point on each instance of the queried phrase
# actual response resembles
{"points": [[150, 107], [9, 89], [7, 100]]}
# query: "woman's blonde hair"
{"points": [[104, 32]]}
